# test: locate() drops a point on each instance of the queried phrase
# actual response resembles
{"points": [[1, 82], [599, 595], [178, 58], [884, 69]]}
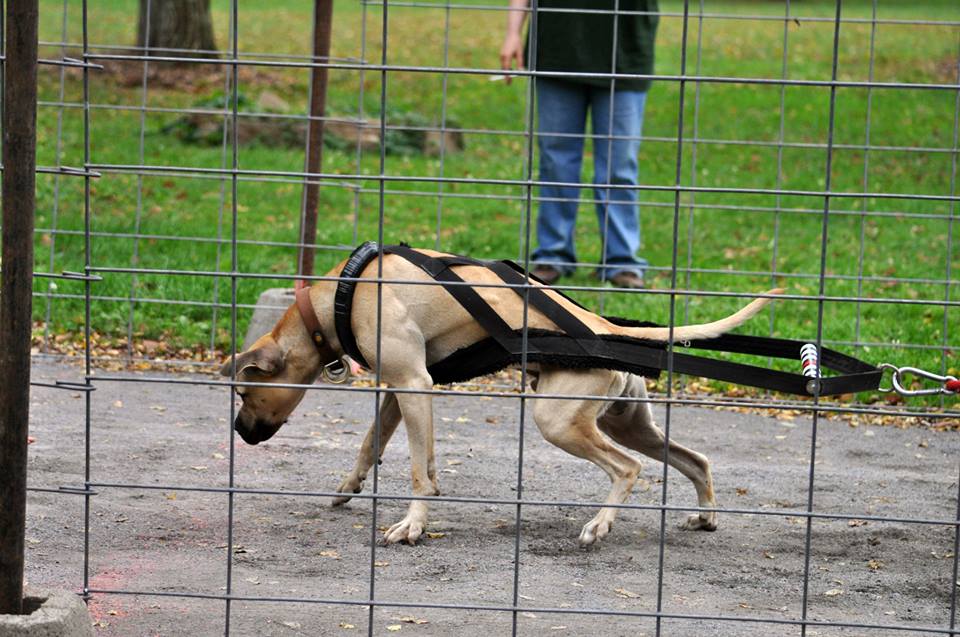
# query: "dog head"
{"points": [[265, 409]]}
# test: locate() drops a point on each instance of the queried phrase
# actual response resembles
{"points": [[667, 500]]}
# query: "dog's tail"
{"points": [[702, 330]]}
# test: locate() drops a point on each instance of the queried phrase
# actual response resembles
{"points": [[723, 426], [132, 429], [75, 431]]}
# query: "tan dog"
{"points": [[422, 324]]}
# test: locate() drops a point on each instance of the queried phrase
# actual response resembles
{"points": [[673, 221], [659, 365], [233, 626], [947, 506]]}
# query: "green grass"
{"points": [[721, 234]]}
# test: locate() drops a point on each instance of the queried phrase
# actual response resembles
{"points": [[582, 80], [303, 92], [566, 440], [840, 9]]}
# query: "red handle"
{"points": [[953, 385]]}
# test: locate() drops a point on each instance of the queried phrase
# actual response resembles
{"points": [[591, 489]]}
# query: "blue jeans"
{"points": [[562, 113]]}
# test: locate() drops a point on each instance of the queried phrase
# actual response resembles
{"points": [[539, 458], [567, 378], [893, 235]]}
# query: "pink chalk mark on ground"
{"points": [[105, 608]]}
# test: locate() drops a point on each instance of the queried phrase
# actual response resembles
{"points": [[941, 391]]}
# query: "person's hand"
{"points": [[511, 52]]}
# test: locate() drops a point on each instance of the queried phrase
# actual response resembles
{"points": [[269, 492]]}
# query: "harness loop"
{"points": [[336, 372]]}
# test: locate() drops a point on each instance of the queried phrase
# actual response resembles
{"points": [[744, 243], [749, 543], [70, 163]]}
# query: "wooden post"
{"points": [[16, 289], [322, 23]]}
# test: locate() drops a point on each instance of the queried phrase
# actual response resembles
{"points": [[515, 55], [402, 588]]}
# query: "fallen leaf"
{"points": [[875, 565], [408, 619], [435, 535], [347, 626], [622, 592], [394, 628], [833, 592], [742, 491], [293, 625], [857, 523], [331, 554], [381, 564], [118, 404]]}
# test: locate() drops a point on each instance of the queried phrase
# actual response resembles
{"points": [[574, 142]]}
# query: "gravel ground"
{"points": [[173, 540]]}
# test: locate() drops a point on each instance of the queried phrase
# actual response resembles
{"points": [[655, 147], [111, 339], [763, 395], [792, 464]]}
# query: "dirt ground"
{"points": [[169, 539]]}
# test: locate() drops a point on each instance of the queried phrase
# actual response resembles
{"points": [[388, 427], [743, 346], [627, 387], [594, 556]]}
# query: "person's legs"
{"points": [[615, 151], [561, 114]]}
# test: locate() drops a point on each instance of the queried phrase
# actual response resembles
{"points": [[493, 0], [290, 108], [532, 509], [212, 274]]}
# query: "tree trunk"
{"points": [[184, 25]]}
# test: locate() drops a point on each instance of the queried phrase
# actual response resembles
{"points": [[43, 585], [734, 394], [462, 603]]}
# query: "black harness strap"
{"points": [[567, 322], [579, 347], [468, 297], [343, 299], [856, 375]]}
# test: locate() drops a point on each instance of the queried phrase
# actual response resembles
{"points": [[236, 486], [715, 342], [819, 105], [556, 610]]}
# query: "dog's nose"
{"points": [[247, 433], [256, 433]]}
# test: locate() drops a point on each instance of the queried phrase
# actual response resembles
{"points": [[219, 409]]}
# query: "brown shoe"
{"points": [[549, 275], [628, 280]]}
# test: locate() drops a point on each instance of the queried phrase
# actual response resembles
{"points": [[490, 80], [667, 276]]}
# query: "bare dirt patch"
{"points": [[156, 536]]}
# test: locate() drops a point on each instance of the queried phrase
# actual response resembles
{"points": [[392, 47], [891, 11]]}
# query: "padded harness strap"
{"points": [[343, 299]]}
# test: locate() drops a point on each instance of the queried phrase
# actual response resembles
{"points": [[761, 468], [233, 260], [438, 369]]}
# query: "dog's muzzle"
{"points": [[258, 432]]}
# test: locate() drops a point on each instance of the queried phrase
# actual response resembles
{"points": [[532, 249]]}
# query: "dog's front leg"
{"points": [[389, 419], [417, 411]]}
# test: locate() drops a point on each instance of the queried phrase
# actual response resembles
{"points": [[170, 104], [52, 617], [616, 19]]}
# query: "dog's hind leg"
{"points": [[389, 419], [631, 424], [572, 426]]}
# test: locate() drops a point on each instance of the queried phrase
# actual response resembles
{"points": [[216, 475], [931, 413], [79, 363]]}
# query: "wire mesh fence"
{"points": [[812, 146]]}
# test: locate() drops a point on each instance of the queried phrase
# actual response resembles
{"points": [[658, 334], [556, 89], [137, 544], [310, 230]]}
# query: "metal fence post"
{"points": [[322, 23], [19, 181]]}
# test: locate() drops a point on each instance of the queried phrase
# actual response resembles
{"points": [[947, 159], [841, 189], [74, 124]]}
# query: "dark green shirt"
{"points": [[584, 42]]}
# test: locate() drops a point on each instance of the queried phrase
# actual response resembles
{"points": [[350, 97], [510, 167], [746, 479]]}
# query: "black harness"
{"points": [[577, 346]]}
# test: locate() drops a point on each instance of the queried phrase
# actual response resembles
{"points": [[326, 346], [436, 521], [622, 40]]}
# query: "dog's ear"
{"points": [[267, 358]]}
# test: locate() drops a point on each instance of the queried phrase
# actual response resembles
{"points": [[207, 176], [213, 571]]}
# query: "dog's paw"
{"points": [[701, 522], [348, 486], [595, 529], [340, 500], [406, 530]]}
